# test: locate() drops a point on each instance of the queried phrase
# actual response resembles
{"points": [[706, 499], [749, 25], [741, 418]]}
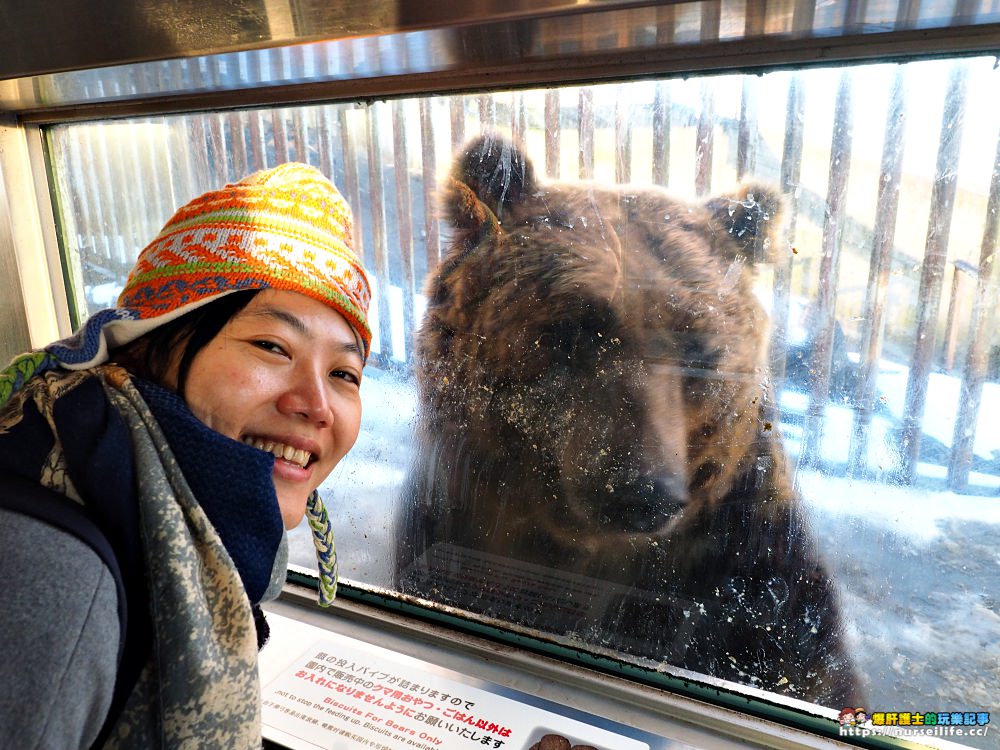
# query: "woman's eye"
{"points": [[269, 346], [350, 377]]}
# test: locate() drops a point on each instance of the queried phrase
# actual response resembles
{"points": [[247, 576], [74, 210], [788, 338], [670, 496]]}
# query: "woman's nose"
{"points": [[307, 394]]}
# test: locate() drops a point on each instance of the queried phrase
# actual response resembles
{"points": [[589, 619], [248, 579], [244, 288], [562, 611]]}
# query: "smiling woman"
{"points": [[284, 376], [164, 449]]}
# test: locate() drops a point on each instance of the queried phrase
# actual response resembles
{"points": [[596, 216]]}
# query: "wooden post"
{"points": [[457, 105], [823, 323], [956, 308], [932, 272], [623, 139], [429, 167], [880, 265], [238, 143], [376, 200], [404, 219], [553, 129], [791, 170], [661, 134], [746, 141], [981, 327], [585, 129], [279, 135]]}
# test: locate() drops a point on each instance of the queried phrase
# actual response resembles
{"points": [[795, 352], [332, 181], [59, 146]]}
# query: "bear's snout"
{"points": [[642, 504]]}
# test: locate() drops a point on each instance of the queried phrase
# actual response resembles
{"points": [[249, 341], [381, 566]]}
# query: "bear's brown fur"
{"points": [[595, 401]]}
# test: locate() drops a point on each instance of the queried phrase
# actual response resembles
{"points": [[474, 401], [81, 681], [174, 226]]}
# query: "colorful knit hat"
{"points": [[286, 228]]}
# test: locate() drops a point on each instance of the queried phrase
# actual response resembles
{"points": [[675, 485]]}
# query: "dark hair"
{"points": [[150, 356]]}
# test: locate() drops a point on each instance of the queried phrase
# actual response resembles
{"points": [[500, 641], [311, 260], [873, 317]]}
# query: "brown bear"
{"points": [[597, 458]]}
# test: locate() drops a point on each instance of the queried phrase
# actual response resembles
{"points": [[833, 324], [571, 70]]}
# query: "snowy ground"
{"points": [[918, 569]]}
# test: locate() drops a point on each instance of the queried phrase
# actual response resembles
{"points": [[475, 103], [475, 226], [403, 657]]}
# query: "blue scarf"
{"points": [[232, 481]]}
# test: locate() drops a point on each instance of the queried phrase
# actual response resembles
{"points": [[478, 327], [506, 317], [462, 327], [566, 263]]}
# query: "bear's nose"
{"points": [[672, 487], [648, 504]]}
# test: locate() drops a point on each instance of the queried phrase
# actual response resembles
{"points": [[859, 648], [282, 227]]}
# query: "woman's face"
{"points": [[283, 375]]}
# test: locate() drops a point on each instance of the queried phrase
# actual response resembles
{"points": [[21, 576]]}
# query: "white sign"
{"points": [[344, 693]]}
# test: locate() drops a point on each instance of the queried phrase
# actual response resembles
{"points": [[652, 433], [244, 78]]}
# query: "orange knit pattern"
{"points": [[286, 228]]}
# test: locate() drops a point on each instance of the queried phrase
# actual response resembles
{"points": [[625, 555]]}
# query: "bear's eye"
{"points": [[582, 340], [697, 353]]}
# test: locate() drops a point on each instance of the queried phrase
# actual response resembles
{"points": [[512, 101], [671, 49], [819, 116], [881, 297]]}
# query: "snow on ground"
{"points": [[918, 568]]}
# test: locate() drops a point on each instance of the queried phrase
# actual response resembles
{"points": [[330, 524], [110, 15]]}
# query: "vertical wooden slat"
{"points": [[823, 313], [178, 145], [791, 171], [143, 200], [116, 209], [704, 141], [237, 143], [326, 128], [907, 14], [97, 239], [257, 155], [324, 62], [661, 134], [553, 129], [804, 16], [376, 201], [218, 163], [873, 312], [161, 163], [429, 167], [854, 15], [666, 24], [711, 20], [198, 154], [962, 272], [280, 136], [194, 78], [487, 112], [352, 185], [518, 118], [457, 109], [623, 138], [585, 129], [932, 271], [965, 11], [756, 15], [296, 56], [746, 141], [254, 73], [404, 219], [302, 149], [981, 325]]}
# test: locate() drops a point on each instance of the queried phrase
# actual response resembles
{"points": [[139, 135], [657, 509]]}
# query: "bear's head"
{"points": [[600, 346]]}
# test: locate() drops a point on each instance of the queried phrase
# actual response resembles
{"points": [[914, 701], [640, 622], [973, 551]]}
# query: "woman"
{"points": [[150, 465]]}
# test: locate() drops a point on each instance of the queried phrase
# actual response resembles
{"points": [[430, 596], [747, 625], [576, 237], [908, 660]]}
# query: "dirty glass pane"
{"points": [[701, 374]]}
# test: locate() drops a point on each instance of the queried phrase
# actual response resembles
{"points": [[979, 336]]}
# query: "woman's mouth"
{"points": [[295, 456]]}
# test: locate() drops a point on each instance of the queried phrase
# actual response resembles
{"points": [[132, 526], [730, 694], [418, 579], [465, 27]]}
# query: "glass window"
{"points": [[698, 374]]}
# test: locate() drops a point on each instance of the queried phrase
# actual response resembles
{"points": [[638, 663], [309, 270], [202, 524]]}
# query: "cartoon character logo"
{"points": [[860, 715], [847, 717]]}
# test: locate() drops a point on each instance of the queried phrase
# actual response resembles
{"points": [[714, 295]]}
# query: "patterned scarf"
{"points": [[200, 687]]}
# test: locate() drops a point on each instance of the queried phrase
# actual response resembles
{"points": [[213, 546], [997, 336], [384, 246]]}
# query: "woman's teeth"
{"points": [[280, 450]]}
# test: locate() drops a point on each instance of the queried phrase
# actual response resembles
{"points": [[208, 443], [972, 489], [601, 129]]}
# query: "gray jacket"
{"points": [[59, 634]]}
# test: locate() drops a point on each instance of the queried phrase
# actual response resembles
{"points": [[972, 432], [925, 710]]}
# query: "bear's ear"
{"points": [[752, 218], [496, 170], [473, 219]]}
